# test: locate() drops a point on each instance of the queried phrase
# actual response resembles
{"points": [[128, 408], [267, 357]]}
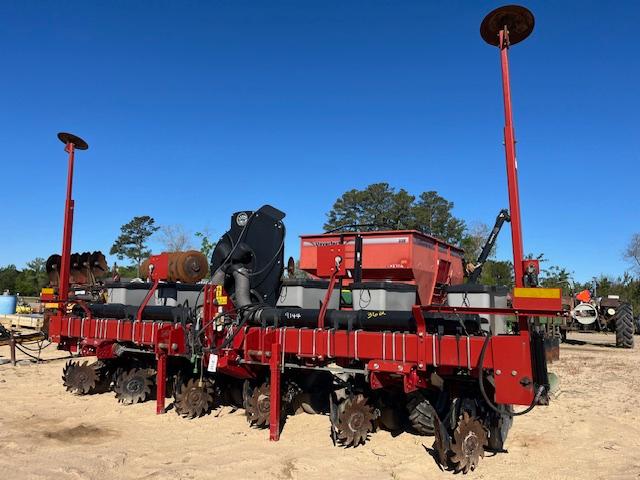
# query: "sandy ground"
{"points": [[590, 431]]}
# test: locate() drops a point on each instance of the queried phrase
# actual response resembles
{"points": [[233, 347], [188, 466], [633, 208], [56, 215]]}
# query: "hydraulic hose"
{"points": [[243, 287], [484, 393]]}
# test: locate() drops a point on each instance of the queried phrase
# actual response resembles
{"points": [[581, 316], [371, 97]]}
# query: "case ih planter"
{"points": [[426, 365]]}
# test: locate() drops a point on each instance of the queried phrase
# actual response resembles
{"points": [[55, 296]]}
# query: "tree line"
{"points": [[378, 206], [27, 281], [131, 244], [381, 206]]}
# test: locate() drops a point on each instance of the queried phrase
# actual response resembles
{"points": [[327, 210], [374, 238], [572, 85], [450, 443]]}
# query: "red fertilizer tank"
{"points": [[406, 256]]}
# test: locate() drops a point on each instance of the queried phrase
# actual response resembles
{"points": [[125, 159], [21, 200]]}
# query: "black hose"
{"points": [[37, 359], [243, 287], [484, 393], [203, 328], [244, 313], [39, 343]]}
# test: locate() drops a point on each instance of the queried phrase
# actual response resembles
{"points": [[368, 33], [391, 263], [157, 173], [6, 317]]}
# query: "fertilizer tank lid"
{"points": [[78, 143], [518, 20]]}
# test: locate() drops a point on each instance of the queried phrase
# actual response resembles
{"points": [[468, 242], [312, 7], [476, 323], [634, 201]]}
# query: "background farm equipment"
{"points": [[417, 348], [603, 314]]}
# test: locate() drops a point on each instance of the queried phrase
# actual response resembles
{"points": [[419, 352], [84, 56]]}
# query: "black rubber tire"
{"points": [[499, 426], [637, 325], [563, 335], [421, 413], [624, 326]]}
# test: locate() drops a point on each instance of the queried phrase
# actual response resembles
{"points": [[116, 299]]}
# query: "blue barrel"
{"points": [[8, 304]]}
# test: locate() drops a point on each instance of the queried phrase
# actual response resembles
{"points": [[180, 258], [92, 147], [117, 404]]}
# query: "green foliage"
{"points": [[553, 276], [26, 282], [381, 206], [377, 206], [557, 277], [206, 245], [8, 277], [497, 272], [132, 241], [129, 272], [433, 215]]}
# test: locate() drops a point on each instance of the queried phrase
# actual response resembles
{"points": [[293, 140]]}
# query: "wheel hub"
{"points": [[470, 444], [356, 421], [135, 386], [194, 396], [264, 404]]}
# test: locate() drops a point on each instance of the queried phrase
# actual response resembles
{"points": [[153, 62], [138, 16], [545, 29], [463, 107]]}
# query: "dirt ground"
{"points": [[590, 431]]}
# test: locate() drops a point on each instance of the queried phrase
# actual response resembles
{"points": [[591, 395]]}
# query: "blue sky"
{"points": [[193, 110]]}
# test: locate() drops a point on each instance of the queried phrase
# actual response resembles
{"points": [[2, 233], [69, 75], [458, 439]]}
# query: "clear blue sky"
{"points": [[195, 109]]}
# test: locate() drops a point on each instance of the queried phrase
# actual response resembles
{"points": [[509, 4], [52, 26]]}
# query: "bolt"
{"points": [[421, 365], [174, 346], [399, 368], [498, 372], [513, 373], [376, 366]]}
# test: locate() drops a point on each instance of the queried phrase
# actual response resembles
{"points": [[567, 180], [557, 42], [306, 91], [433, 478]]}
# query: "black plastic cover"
{"points": [[129, 312], [255, 241]]}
